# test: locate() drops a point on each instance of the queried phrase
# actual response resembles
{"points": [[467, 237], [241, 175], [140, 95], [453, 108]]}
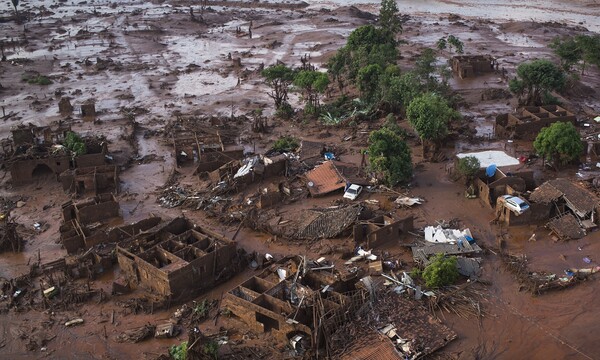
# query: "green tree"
{"points": [[279, 78], [312, 84], [450, 42], [392, 124], [441, 271], [389, 155], [568, 50], [425, 65], [559, 142], [388, 96], [456, 43], [397, 91], [590, 45], [388, 16], [468, 167], [442, 43], [368, 82], [535, 79], [336, 67], [368, 45], [428, 114], [369, 37]]}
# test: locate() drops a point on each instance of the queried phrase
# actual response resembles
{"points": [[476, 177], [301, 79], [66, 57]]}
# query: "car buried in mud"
{"points": [[352, 192], [514, 203]]}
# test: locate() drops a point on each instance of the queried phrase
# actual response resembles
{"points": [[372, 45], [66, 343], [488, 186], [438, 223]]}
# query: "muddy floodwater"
{"points": [[147, 64]]}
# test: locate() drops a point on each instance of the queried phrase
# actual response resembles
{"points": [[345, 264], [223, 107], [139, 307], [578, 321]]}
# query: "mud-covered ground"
{"points": [[156, 63]]}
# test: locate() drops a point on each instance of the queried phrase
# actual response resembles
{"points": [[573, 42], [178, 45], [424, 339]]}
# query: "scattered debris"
{"points": [[138, 334], [408, 201], [74, 322]]}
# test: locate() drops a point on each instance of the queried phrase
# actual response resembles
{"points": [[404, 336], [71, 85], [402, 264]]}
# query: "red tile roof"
{"points": [[324, 179]]}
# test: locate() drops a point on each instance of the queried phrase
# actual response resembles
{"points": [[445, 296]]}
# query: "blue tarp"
{"points": [[490, 171]]}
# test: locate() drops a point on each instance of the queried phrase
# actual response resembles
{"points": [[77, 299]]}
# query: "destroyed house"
{"points": [[466, 66], [250, 170], [396, 328], [23, 135], [205, 151], [290, 298], [76, 236], [81, 220], [38, 151], [311, 152], [567, 199], [177, 260], [490, 189], [380, 230], [528, 121], [332, 176], [91, 180]]}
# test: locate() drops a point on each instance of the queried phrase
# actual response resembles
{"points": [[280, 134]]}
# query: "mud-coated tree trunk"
{"points": [[15, 4]]}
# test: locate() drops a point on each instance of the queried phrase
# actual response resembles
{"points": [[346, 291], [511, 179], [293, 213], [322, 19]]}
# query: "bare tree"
{"points": [[15, 4]]}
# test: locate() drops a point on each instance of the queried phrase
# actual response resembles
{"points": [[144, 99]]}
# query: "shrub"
{"points": [[36, 79], [179, 352], [286, 143], [202, 308], [441, 271], [74, 143], [211, 350], [285, 111], [416, 273]]}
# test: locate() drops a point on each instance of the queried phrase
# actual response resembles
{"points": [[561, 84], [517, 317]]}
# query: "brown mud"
{"points": [[168, 65]]}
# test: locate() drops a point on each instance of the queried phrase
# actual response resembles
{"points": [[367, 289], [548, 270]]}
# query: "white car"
{"points": [[515, 204], [352, 192]]}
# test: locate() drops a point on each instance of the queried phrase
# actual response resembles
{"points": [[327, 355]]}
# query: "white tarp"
{"points": [[439, 235], [248, 166], [489, 157], [362, 254]]}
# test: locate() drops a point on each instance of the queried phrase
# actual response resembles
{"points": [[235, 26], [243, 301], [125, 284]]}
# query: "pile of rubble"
{"points": [[10, 240], [310, 224], [405, 323], [539, 282]]}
